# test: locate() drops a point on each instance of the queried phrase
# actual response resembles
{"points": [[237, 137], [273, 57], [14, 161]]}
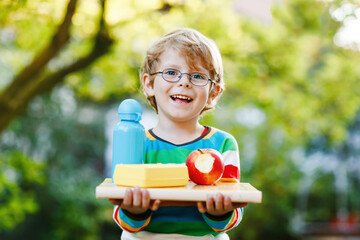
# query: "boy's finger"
{"points": [[128, 198], [137, 197], [155, 205], [228, 206], [201, 207], [219, 202], [210, 204], [145, 199]]}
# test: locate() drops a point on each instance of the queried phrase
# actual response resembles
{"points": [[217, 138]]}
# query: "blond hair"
{"points": [[193, 45]]}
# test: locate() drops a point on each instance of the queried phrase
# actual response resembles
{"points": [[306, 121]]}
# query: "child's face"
{"points": [[178, 101]]}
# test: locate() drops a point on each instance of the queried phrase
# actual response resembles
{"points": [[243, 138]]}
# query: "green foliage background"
{"points": [[304, 88]]}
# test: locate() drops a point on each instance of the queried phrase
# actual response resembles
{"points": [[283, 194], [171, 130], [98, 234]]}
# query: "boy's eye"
{"points": [[198, 76], [170, 72]]}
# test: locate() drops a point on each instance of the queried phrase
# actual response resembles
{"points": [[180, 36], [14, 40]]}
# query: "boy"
{"points": [[182, 77]]}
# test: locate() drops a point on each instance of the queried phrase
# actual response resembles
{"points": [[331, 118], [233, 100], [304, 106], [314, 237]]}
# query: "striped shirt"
{"points": [[186, 220]]}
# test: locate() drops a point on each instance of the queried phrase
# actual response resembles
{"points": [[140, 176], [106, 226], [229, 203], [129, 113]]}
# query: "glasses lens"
{"points": [[199, 79], [171, 75]]}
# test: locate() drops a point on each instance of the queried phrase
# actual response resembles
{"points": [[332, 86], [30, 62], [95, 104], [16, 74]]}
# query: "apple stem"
{"points": [[200, 151]]}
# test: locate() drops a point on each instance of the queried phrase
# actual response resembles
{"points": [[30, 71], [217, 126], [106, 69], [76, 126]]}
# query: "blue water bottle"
{"points": [[128, 135]]}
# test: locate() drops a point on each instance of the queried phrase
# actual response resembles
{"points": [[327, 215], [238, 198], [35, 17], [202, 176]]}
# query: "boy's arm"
{"points": [[220, 213], [129, 222], [133, 213], [225, 222], [231, 219]]}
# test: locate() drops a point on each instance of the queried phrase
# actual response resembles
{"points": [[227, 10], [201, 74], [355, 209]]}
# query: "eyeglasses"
{"points": [[174, 75]]}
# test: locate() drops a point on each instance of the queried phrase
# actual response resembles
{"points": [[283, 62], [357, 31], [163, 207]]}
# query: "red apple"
{"points": [[205, 166]]}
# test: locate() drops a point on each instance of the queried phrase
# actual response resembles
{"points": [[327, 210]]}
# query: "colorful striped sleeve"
{"points": [[127, 223], [230, 153], [226, 224]]}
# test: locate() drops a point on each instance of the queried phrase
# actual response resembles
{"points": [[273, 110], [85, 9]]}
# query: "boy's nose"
{"points": [[184, 80]]}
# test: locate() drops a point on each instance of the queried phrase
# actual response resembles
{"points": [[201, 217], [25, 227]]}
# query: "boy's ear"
{"points": [[215, 91], [148, 86]]}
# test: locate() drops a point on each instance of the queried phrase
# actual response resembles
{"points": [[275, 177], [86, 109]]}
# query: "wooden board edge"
{"points": [[106, 192]]}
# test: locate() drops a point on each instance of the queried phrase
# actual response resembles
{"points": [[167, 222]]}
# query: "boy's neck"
{"points": [[178, 132]]}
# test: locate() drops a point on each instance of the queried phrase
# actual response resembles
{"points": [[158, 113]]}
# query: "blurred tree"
{"points": [[18, 177], [52, 196], [287, 83], [33, 80]]}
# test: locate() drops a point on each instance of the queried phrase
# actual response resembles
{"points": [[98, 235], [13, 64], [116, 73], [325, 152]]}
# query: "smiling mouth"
{"points": [[181, 99]]}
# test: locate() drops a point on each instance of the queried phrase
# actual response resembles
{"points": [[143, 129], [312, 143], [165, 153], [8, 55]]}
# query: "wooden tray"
{"points": [[238, 192]]}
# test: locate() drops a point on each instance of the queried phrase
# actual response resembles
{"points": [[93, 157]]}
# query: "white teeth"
{"points": [[181, 97]]}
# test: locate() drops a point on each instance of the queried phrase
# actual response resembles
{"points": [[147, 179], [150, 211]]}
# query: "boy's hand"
{"points": [[218, 205], [136, 201]]}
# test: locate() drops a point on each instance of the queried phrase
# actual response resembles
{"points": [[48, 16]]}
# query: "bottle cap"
{"points": [[130, 109]]}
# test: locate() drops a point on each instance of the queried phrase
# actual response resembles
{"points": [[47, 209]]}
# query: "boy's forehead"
{"points": [[174, 58]]}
